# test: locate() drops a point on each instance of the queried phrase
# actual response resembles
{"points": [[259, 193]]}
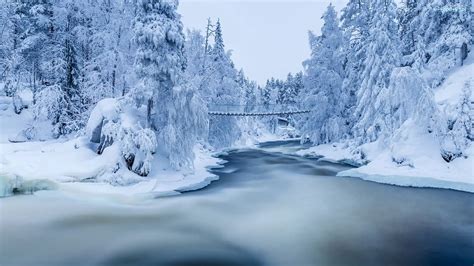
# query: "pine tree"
{"points": [[174, 107], [226, 93], [383, 55], [267, 92], [355, 20], [106, 48], [160, 59], [33, 23], [408, 17], [445, 32], [323, 81]]}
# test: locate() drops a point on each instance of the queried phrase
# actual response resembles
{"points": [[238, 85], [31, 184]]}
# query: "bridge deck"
{"points": [[257, 109], [258, 113]]}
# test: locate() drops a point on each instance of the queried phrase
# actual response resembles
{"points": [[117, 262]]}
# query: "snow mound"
{"points": [[106, 109], [10, 185], [411, 159], [450, 92]]}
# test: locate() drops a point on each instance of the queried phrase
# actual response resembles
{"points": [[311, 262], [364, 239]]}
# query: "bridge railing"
{"points": [[262, 109]]}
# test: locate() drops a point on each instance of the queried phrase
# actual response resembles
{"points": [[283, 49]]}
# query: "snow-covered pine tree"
{"points": [[8, 50], [383, 55], [408, 16], [107, 48], [459, 134], [6, 38], [297, 87], [70, 119], [174, 108], [323, 80], [226, 93], [34, 25], [446, 36], [159, 59], [266, 97], [285, 90], [195, 53], [355, 19]]}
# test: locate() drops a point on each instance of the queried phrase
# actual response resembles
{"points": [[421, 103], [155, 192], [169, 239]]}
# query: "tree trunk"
{"points": [[149, 107]]}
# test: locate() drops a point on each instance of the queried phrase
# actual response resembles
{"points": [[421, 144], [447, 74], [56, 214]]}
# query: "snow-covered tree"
{"points": [[323, 82], [107, 49], [459, 134], [35, 28], [408, 16], [174, 108], [6, 38], [355, 20], [383, 55], [159, 59], [446, 35], [225, 91]]}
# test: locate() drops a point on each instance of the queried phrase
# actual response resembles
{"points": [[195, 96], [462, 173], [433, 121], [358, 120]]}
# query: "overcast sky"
{"points": [[269, 38]]}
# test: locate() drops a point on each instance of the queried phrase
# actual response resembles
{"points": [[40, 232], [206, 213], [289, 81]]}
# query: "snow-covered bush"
{"points": [[9, 88], [48, 103], [138, 146], [407, 97], [18, 104], [458, 133], [112, 122]]}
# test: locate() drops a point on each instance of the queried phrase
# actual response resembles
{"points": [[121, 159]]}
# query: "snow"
{"points": [[449, 94], [72, 165], [105, 109], [411, 156], [412, 159]]}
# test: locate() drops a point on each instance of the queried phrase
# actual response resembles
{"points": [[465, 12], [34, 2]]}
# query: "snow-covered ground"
{"points": [[73, 165], [412, 156], [422, 165]]}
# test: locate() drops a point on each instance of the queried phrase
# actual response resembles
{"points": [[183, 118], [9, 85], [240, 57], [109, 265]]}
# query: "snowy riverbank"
{"points": [[73, 166], [423, 166]]}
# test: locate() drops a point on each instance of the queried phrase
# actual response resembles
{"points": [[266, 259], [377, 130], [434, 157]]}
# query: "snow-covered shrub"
{"points": [[138, 146], [459, 133], [112, 123], [188, 123], [408, 97], [52, 104], [49, 102], [402, 161], [9, 88], [18, 104]]}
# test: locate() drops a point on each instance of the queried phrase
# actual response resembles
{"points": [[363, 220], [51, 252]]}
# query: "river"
{"points": [[267, 208]]}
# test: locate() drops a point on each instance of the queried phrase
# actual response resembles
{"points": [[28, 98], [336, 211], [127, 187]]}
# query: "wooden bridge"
{"points": [[256, 110]]}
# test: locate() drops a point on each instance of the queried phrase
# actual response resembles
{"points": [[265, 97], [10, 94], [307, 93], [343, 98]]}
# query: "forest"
{"points": [[384, 82], [129, 137]]}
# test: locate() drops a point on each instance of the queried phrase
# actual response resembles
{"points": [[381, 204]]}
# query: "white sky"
{"points": [[269, 38]]}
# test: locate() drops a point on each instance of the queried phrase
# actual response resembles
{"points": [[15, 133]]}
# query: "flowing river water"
{"points": [[268, 208]]}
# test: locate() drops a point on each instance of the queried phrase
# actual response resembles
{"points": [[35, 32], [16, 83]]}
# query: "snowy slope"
{"points": [[412, 156], [74, 166]]}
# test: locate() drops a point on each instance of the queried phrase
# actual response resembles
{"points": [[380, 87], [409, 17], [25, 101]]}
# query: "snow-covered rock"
{"points": [[107, 109]]}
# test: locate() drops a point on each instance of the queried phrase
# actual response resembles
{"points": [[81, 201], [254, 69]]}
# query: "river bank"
{"points": [[267, 208]]}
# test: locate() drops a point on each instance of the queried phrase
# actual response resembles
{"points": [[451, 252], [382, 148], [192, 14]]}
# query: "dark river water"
{"points": [[268, 208]]}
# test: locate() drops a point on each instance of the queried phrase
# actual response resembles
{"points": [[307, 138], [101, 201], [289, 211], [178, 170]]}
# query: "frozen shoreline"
{"points": [[73, 167], [427, 172], [27, 175]]}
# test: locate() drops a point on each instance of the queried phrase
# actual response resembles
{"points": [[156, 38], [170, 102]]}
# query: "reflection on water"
{"points": [[268, 208]]}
